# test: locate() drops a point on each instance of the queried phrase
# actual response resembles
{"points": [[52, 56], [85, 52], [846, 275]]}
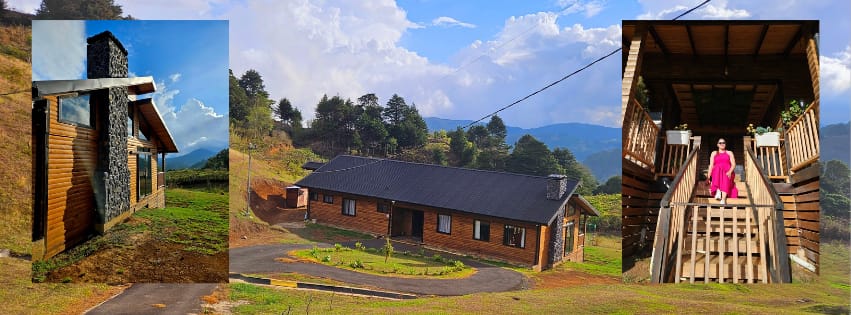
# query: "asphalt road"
{"points": [[488, 278], [157, 298]]}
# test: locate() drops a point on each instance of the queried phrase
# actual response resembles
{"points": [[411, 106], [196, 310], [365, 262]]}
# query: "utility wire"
{"points": [[519, 100], [14, 92]]}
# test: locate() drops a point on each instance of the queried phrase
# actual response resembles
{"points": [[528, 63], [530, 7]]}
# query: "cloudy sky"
{"points": [[188, 60], [463, 60]]}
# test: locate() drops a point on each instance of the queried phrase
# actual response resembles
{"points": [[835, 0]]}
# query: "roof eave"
{"points": [[135, 86]]}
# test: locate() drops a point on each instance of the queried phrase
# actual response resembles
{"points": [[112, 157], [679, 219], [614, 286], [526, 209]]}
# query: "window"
{"points": [[514, 236], [444, 223], [314, 196], [129, 121], [143, 172], [349, 207], [571, 209], [328, 199], [76, 110], [481, 230], [383, 207], [141, 135], [568, 237]]}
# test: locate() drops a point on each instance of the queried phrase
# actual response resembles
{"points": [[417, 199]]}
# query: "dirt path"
{"points": [[488, 278], [157, 298], [268, 202]]}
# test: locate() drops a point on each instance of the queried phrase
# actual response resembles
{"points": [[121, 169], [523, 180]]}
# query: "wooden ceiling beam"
{"points": [[795, 39], [691, 40], [658, 41], [761, 39]]}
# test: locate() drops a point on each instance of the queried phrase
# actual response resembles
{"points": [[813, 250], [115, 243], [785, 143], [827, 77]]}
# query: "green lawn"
{"points": [[408, 265]]}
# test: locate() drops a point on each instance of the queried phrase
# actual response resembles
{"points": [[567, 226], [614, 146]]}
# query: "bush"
{"points": [[327, 258], [437, 258], [356, 264], [338, 247], [359, 246]]}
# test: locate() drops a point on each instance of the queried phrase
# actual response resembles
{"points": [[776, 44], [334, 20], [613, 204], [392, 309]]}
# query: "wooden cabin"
{"points": [[98, 151], [528, 220], [718, 77]]}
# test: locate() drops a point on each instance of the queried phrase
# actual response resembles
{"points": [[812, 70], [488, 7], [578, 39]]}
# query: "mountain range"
{"points": [[836, 142], [194, 159], [598, 147]]}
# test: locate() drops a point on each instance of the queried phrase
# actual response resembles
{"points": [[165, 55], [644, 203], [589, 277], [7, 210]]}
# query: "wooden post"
{"points": [[633, 66]]}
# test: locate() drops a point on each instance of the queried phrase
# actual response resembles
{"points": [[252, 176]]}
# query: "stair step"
{"points": [[714, 271], [729, 228], [716, 211], [714, 244]]}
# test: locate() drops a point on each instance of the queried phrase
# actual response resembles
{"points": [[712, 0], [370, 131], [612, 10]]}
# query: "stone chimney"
{"points": [[556, 186], [107, 58]]}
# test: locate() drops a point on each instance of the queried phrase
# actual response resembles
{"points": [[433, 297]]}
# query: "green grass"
{"points": [[609, 206], [408, 265], [602, 261], [20, 296]]}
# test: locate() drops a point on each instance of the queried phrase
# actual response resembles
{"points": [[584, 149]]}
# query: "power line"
{"points": [[14, 92]]}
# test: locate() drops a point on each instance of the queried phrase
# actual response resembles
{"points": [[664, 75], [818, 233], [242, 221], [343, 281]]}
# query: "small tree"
{"points": [[388, 250]]}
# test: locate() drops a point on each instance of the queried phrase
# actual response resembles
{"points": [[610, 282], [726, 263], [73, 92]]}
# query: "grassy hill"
{"points": [[15, 135]]}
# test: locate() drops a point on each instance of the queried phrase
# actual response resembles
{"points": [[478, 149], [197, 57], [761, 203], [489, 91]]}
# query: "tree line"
{"points": [[397, 130]]}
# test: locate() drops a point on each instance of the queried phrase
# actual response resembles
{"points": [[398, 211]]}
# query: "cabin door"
{"points": [[417, 223]]}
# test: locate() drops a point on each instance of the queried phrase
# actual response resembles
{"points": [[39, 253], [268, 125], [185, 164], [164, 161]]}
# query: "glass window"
{"points": [[328, 199], [349, 207], [568, 237], [143, 172], [481, 230], [76, 110], [571, 209], [129, 122], [514, 236], [383, 207], [444, 223], [314, 196]]}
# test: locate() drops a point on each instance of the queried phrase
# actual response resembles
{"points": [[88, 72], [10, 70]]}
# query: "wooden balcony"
{"points": [[639, 136], [802, 139]]}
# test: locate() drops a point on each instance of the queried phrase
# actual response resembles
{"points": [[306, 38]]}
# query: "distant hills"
{"points": [[597, 147], [194, 159], [836, 142]]}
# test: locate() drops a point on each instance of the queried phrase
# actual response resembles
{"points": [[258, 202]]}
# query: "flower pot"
{"points": [[768, 139], [678, 136]]}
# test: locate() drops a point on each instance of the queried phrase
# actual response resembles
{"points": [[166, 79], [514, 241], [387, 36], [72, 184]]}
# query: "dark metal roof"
{"points": [[312, 165], [498, 194]]}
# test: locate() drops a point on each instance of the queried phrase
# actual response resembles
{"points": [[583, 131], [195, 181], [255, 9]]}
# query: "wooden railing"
{"points": [[670, 227], [674, 155], [160, 179], [639, 136], [802, 139], [766, 203], [772, 160]]}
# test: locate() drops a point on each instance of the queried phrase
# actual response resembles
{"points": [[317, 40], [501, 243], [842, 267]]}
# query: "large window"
{"points": [[444, 223], [143, 172], [76, 110], [571, 209], [481, 230], [568, 237], [383, 207], [514, 236], [129, 121], [328, 199], [314, 196], [349, 207]]}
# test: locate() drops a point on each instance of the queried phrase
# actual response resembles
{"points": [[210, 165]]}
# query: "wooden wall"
{"points": [[72, 159], [578, 233], [133, 143], [368, 219], [640, 209], [801, 214]]}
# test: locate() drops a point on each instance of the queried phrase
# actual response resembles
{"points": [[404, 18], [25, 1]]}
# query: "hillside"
{"points": [[604, 164], [15, 135], [194, 159], [840, 142]]}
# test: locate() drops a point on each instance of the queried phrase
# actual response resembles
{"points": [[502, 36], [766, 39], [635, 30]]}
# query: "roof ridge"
{"points": [[446, 166]]}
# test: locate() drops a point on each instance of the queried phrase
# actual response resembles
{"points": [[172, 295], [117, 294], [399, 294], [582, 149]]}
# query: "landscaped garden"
{"points": [[387, 262]]}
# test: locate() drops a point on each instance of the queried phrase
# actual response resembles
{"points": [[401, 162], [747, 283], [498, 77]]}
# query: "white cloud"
{"points": [[58, 50], [836, 72], [446, 21], [662, 10], [26, 6], [174, 77], [193, 125]]}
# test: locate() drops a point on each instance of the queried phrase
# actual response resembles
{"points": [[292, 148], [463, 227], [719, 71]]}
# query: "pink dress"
{"points": [[721, 165]]}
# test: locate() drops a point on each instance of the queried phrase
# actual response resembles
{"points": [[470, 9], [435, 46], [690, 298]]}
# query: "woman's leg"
{"points": [[723, 197]]}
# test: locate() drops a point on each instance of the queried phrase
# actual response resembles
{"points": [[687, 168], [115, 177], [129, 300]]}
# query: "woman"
{"points": [[721, 164]]}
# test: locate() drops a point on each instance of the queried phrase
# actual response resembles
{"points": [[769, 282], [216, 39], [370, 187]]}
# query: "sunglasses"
{"points": [[722, 143]]}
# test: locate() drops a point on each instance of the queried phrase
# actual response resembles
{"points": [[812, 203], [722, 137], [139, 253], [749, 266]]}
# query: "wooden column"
{"points": [[633, 66]]}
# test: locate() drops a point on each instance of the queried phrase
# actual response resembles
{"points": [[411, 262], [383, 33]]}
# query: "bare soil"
{"points": [[146, 260], [570, 278], [268, 202]]}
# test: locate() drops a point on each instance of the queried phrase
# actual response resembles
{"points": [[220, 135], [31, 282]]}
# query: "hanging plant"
{"points": [[792, 112]]}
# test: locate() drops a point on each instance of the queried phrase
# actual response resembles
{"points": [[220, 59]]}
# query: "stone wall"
{"points": [[107, 58], [556, 243]]}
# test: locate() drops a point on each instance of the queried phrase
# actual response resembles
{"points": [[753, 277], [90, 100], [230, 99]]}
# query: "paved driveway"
{"points": [[157, 298], [488, 278]]}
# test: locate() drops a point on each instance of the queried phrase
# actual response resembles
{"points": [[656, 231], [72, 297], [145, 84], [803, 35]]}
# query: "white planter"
{"points": [[768, 139], [678, 136]]}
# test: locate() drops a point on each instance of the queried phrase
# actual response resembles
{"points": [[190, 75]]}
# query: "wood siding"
{"points": [[72, 155], [640, 209], [366, 219]]}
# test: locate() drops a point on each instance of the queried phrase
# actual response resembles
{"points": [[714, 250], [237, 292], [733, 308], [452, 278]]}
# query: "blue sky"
{"points": [[188, 60], [462, 59]]}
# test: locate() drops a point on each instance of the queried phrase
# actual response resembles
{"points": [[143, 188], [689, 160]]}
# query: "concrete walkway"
{"points": [[488, 278], [157, 298]]}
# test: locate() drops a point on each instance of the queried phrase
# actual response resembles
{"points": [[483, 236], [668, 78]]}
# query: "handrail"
{"points": [[639, 135], [780, 271], [663, 246], [803, 138]]}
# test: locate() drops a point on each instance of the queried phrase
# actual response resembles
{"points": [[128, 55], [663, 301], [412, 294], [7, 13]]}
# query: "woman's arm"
{"points": [[732, 164], [711, 162]]}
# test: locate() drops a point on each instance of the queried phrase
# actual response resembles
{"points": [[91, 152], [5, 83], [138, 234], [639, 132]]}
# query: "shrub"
{"points": [[327, 258], [338, 247], [356, 264], [437, 258], [388, 250], [359, 246], [314, 252], [458, 264]]}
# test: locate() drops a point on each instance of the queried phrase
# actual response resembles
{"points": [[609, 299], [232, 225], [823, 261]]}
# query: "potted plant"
{"points": [[765, 136], [680, 135], [791, 113]]}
